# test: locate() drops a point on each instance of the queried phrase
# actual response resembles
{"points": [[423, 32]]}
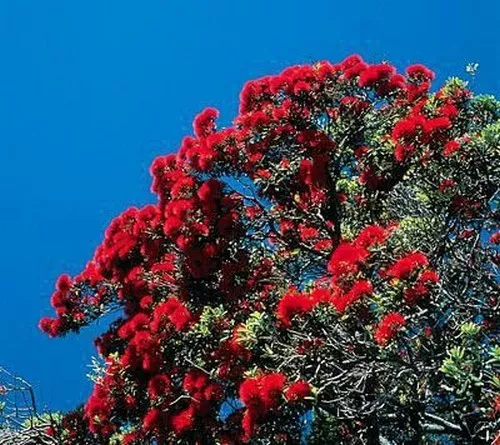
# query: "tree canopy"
{"points": [[325, 270]]}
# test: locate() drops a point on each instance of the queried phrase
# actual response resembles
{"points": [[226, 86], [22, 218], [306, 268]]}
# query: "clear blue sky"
{"points": [[91, 92]]}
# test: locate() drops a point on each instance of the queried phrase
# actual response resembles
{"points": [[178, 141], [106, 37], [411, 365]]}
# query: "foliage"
{"points": [[325, 267]]}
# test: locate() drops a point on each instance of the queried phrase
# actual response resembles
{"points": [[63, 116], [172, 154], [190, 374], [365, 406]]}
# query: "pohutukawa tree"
{"points": [[326, 270]]}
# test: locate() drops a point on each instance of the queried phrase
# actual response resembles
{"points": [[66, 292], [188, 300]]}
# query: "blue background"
{"points": [[91, 92]]}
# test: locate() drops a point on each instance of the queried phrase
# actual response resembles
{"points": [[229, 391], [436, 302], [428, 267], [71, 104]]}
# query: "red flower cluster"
{"points": [[359, 289], [418, 279], [145, 333], [232, 358], [202, 390], [382, 78], [417, 129], [421, 288], [109, 392], [345, 265], [372, 236], [260, 395], [421, 128], [388, 327], [158, 386], [307, 234], [200, 221], [204, 123], [419, 73], [406, 266], [263, 394], [292, 304], [61, 302], [298, 391], [451, 147], [113, 274], [347, 260], [98, 411], [202, 395], [172, 311]]}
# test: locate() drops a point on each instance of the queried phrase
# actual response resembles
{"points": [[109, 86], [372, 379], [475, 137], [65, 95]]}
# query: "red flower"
{"points": [[260, 395], [63, 283], [174, 311], [320, 295], [45, 324], [359, 289], [404, 267], [58, 299], [298, 391], [450, 148], [204, 123], [403, 152], [129, 328], [290, 305], [158, 385], [98, 408], [307, 233], [131, 438], [195, 380], [351, 61], [249, 393], [346, 259], [248, 424], [146, 302], [376, 74], [413, 294], [272, 388], [361, 152], [446, 185], [172, 226], [323, 245], [353, 69], [183, 187], [301, 87], [437, 124], [419, 72], [449, 110], [51, 326], [421, 288], [388, 328], [253, 211], [371, 236], [372, 179], [183, 421], [407, 128], [180, 318], [210, 190], [428, 277]]}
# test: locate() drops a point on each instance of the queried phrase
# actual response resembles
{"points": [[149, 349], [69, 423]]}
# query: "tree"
{"points": [[324, 270]]}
